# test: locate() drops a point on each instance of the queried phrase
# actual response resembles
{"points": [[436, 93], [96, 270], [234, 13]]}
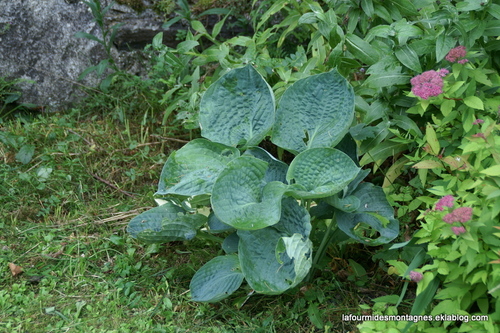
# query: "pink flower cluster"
{"points": [[457, 54], [428, 83], [460, 214], [446, 201], [416, 276]]}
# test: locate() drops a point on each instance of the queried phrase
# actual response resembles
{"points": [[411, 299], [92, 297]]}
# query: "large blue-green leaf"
{"points": [[193, 169], [241, 197], [230, 243], [238, 109], [320, 173], [374, 212], [217, 279], [295, 219], [165, 223], [272, 262], [215, 225], [276, 170], [348, 204], [314, 112]]}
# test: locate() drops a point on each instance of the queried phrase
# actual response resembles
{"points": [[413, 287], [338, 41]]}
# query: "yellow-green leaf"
{"points": [[428, 165], [492, 171], [432, 139], [474, 102]]}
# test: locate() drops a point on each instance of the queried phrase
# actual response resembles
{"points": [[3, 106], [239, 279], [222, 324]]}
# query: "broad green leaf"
{"points": [[428, 164], [444, 44], [276, 170], [186, 46], [492, 171], [432, 139], [469, 5], [199, 27], [215, 225], [474, 102], [380, 80], [242, 199], [268, 271], [25, 154], [217, 279], [408, 57], [295, 219], [230, 243], [314, 112], [193, 169], [165, 223], [405, 30], [348, 204], [320, 173], [405, 7], [382, 151], [361, 49], [238, 109], [375, 212], [367, 6]]}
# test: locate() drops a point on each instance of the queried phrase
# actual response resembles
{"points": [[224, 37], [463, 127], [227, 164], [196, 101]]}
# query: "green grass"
{"points": [[63, 217]]}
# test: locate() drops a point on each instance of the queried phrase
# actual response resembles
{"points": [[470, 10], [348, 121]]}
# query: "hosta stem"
{"points": [[323, 246]]}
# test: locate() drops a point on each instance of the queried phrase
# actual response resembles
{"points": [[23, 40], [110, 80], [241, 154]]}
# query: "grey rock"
{"points": [[38, 44]]}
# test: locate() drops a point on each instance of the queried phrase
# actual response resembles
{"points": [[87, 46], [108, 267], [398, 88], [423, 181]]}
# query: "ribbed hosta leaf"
{"points": [[276, 170], [319, 173], [272, 262], [238, 109], [217, 279], [295, 219], [192, 170], [242, 199], [314, 112], [375, 212], [165, 223]]}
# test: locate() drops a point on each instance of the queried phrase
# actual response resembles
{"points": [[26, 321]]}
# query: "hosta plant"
{"points": [[266, 211]]}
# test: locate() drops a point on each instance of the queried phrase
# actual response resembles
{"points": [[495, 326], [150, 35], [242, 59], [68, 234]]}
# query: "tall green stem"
{"points": [[323, 246]]}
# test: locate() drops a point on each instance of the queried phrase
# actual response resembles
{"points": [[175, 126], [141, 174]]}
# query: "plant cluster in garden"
{"points": [[268, 212], [460, 155]]}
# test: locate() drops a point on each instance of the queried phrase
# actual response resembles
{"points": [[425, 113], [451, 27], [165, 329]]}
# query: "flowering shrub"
{"points": [[460, 159], [457, 55], [429, 83]]}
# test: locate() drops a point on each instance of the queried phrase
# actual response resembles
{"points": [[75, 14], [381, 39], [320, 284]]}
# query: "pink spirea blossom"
{"points": [[416, 276], [428, 83], [458, 230], [461, 214], [457, 54], [478, 121], [446, 201]]}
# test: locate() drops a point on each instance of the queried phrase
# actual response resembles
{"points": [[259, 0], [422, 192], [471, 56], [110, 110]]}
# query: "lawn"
{"points": [[70, 183]]}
